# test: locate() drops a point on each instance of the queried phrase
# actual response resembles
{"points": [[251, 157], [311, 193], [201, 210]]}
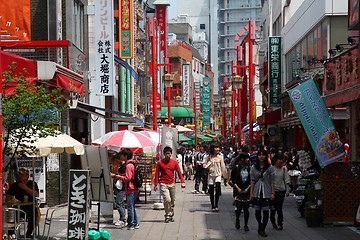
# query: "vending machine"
{"points": [[37, 168]]}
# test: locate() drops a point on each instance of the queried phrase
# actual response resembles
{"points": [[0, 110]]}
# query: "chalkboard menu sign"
{"points": [[79, 204]]}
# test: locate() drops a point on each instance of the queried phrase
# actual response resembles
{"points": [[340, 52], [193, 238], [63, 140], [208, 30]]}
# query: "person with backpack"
{"points": [[166, 168], [131, 189]]}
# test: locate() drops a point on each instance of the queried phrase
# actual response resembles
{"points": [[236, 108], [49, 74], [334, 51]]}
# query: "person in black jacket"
{"points": [[240, 181], [24, 188]]}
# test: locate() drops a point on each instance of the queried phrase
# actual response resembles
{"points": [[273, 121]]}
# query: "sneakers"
{"points": [[195, 191], [170, 219], [121, 224], [137, 226]]}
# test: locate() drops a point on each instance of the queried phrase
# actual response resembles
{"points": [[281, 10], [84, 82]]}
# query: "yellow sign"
{"points": [[199, 123], [219, 120]]}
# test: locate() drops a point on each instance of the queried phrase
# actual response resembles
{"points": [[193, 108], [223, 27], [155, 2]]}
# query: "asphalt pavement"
{"points": [[194, 220]]}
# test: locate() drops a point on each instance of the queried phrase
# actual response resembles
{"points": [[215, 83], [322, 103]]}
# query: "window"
{"points": [[202, 26], [78, 24]]}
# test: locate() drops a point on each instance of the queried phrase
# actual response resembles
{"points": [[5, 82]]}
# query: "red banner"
{"points": [[161, 22]]}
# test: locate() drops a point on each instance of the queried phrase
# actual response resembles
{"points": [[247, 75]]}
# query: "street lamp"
{"points": [[228, 95], [237, 82], [178, 101], [168, 83], [223, 105]]}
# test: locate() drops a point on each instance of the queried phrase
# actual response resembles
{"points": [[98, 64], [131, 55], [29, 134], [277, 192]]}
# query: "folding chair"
{"points": [[14, 220]]}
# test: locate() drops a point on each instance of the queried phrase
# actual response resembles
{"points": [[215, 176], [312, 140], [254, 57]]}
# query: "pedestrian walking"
{"points": [[131, 190], [179, 159], [200, 173], [262, 189], [119, 188], [293, 166], [282, 182], [166, 168], [189, 164], [240, 181], [215, 167]]}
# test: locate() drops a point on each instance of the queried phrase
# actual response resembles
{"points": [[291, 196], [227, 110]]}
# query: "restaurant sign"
{"points": [[79, 204], [274, 66], [104, 41], [206, 102]]}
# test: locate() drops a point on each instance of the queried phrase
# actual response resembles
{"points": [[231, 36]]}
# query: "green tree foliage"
{"points": [[28, 109]]}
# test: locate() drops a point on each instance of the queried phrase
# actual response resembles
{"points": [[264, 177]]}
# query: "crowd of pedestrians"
{"points": [[258, 175], [259, 178]]}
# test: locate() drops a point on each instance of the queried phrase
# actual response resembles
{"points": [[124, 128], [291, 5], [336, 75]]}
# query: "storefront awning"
{"points": [[21, 64], [178, 112], [105, 113], [269, 117], [57, 75]]}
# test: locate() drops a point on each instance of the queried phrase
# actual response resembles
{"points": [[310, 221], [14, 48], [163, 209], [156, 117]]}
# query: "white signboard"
{"points": [[186, 84], [104, 47]]}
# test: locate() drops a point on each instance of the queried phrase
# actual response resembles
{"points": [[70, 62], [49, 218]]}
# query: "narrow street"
{"points": [[194, 220]]}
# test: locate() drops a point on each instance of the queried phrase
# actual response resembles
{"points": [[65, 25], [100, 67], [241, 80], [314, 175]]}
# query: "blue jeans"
{"points": [[120, 203], [132, 219]]}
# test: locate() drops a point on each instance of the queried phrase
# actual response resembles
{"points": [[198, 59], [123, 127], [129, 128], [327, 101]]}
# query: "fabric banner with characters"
{"points": [[317, 123]]}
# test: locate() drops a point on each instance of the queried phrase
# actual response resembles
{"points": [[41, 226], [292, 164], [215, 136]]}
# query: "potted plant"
{"points": [[313, 211]]}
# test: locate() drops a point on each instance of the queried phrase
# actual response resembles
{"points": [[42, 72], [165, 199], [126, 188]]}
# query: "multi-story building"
{"points": [[308, 30]]}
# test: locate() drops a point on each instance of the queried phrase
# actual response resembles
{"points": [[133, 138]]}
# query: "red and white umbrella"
{"points": [[118, 140], [153, 135]]}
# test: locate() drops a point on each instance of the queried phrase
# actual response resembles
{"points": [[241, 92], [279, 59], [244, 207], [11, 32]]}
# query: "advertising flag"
{"points": [[317, 123]]}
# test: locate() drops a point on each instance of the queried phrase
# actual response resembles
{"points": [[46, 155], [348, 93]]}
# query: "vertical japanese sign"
{"points": [[126, 29], [317, 123], [79, 204], [274, 75], [206, 102], [104, 46], [161, 22], [186, 84]]}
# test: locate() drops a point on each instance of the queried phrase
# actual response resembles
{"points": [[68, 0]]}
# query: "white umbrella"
{"points": [[59, 144], [53, 144]]}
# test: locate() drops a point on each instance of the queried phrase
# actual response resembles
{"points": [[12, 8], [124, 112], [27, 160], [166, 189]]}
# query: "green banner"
{"points": [[317, 123], [206, 92], [274, 71]]}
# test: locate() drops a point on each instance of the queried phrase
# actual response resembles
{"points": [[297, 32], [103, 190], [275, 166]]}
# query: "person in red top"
{"points": [[166, 168], [130, 189]]}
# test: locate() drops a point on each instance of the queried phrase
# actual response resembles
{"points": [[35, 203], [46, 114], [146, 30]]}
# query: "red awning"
{"points": [[69, 84], [269, 117], [24, 66], [55, 74], [43, 71], [21, 64]]}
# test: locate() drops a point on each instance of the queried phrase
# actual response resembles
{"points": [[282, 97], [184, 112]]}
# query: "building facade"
{"points": [[310, 31]]}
